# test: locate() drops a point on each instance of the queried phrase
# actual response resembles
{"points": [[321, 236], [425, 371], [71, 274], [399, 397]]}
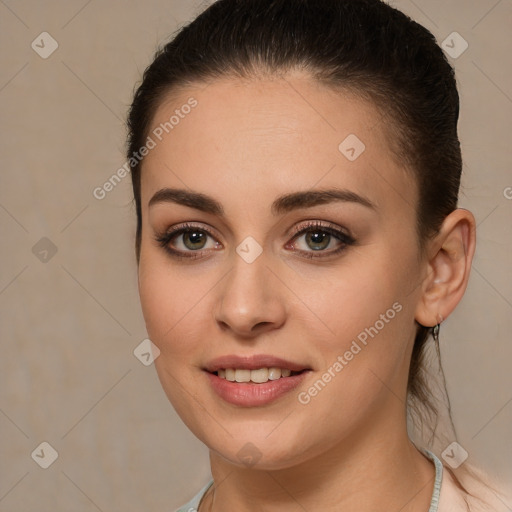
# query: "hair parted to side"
{"points": [[364, 47]]}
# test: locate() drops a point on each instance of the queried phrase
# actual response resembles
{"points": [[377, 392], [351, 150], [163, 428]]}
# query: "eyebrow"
{"points": [[283, 204]]}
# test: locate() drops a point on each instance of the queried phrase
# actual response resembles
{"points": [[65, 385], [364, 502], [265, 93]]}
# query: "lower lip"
{"points": [[249, 394]]}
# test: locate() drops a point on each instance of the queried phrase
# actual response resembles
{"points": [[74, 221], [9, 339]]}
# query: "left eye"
{"points": [[316, 239], [321, 238]]}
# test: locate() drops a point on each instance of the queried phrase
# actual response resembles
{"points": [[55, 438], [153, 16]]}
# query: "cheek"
{"points": [[171, 308], [157, 309], [369, 330], [362, 363], [356, 297], [165, 299], [177, 308], [369, 318]]}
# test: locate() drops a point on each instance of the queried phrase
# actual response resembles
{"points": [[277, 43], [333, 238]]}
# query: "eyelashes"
{"points": [[316, 232]]}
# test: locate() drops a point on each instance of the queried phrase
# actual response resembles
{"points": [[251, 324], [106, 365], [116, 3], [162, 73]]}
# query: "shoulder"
{"points": [[483, 495], [193, 504]]}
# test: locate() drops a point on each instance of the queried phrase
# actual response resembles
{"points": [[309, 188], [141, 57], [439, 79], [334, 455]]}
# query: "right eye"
{"points": [[189, 239]]}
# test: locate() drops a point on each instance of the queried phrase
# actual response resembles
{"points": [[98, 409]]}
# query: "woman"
{"points": [[296, 167]]}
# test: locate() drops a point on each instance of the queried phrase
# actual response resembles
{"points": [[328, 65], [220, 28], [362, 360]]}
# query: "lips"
{"points": [[254, 381], [254, 362]]}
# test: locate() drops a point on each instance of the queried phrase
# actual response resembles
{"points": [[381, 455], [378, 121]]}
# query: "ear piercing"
{"points": [[435, 332], [437, 328]]}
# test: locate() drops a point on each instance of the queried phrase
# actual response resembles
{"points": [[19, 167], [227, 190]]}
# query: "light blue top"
{"points": [[193, 504]]}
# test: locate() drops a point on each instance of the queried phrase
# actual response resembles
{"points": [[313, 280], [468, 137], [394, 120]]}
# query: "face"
{"points": [[272, 238]]}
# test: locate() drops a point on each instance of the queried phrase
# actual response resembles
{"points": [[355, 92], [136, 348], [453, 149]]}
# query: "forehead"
{"points": [[269, 136]]}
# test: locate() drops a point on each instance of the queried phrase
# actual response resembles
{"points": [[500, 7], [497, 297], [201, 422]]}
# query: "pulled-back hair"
{"points": [[364, 47]]}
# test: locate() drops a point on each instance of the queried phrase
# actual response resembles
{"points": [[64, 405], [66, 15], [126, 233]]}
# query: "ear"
{"points": [[449, 257]]}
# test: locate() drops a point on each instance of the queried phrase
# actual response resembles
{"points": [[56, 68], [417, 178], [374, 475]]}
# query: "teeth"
{"points": [[258, 376], [274, 373], [242, 375]]}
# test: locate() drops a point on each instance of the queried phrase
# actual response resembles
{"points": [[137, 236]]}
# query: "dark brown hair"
{"points": [[365, 47]]}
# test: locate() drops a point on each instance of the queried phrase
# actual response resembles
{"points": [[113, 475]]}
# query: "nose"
{"points": [[251, 299]]}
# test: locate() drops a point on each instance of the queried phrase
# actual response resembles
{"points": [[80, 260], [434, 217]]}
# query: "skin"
{"points": [[246, 143]]}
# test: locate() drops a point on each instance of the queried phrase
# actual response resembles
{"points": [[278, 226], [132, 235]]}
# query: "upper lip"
{"points": [[254, 362]]}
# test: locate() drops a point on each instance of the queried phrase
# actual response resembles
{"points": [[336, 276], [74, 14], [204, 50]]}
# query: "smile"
{"points": [[258, 376]]}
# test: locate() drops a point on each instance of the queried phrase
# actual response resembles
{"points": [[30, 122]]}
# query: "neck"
{"points": [[375, 468]]}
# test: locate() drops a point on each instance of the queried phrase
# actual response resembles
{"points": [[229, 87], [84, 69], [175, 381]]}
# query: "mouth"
{"points": [[254, 381], [260, 376], [256, 376]]}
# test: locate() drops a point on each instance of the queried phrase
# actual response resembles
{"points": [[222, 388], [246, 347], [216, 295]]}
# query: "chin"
{"points": [[259, 451]]}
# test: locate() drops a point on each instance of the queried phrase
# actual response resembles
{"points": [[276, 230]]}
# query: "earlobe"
{"points": [[449, 259]]}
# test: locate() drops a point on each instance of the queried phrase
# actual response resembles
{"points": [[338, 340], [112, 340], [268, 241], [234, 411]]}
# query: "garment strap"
{"points": [[434, 502]]}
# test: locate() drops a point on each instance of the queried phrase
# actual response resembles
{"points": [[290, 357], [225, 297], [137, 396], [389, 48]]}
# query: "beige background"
{"points": [[69, 326]]}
